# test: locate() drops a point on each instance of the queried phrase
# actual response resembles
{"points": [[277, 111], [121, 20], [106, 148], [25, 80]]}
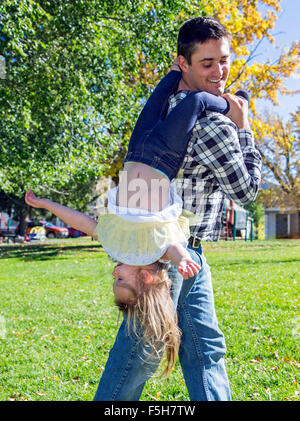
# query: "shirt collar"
{"points": [[174, 98]]}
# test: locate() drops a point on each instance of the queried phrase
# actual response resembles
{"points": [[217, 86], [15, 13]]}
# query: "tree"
{"points": [[279, 145], [15, 207], [249, 27], [70, 69], [71, 92]]}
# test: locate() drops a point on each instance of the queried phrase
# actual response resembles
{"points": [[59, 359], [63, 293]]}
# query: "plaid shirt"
{"points": [[220, 161]]}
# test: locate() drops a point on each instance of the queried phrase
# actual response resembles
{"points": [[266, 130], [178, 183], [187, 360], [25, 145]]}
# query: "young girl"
{"points": [[142, 225]]}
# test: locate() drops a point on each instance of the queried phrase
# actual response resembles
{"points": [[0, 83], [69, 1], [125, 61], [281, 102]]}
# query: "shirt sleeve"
{"points": [[231, 156]]}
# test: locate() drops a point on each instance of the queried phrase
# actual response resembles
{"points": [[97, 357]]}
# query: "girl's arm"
{"points": [[75, 219], [182, 259]]}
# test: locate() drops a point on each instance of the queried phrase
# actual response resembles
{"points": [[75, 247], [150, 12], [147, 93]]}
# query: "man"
{"points": [[221, 160]]}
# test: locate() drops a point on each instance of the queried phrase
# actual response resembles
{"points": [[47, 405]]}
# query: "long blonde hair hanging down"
{"points": [[153, 313]]}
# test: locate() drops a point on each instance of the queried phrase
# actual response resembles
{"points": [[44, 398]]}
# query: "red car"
{"points": [[53, 231], [74, 233]]}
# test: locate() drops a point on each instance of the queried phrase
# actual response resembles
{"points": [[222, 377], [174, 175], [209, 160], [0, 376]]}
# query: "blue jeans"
{"points": [[160, 141], [201, 352]]}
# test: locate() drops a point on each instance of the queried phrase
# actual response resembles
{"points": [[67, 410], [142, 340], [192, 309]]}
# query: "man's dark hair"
{"points": [[198, 30]]}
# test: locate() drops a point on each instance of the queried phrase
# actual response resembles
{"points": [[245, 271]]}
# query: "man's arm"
{"points": [[227, 149], [233, 159]]}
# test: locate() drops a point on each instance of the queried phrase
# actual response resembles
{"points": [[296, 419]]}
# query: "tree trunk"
{"points": [[23, 218]]}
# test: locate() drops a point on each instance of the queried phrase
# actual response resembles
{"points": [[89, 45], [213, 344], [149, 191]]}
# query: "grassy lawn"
{"points": [[58, 321]]}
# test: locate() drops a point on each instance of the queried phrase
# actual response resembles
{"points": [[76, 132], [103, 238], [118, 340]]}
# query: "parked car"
{"points": [[74, 233], [30, 225], [37, 233], [53, 231]]}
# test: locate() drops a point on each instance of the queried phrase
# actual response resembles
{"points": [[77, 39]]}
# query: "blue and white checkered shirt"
{"points": [[221, 161]]}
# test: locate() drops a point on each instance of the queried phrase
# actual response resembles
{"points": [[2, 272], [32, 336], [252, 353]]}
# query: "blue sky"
{"points": [[286, 30]]}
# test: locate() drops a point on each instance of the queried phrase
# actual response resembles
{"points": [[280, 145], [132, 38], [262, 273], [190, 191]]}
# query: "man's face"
{"points": [[209, 68]]}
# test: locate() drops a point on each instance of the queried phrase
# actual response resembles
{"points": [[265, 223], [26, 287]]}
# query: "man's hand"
{"points": [[238, 112], [35, 202], [175, 65]]}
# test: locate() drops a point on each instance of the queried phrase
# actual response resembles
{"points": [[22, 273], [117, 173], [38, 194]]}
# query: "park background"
{"points": [[73, 78]]}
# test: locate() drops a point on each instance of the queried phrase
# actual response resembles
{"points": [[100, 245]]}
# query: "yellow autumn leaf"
{"points": [[158, 394]]}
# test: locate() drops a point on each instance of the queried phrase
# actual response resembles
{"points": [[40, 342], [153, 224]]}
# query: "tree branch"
{"points": [[275, 172], [250, 57], [54, 190]]}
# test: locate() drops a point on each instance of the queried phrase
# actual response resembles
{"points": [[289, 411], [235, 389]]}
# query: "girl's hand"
{"points": [[32, 200], [188, 268]]}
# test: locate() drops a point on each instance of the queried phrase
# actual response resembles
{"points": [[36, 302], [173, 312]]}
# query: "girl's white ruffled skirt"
{"points": [[138, 237]]}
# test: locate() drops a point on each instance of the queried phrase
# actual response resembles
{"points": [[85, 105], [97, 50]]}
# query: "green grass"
{"points": [[58, 321]]}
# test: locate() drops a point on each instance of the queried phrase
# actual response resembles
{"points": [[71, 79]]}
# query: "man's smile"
{"points": [[215, 81]]}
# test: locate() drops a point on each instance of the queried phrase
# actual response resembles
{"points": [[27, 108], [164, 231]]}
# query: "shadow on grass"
{"points": [[45, 251]]}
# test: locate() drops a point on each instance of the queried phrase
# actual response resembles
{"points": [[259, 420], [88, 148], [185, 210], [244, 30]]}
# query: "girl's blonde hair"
{"points": [[152, 315]]}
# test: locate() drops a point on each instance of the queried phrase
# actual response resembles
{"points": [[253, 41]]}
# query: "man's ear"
{"points": [[182, 62], [146, 277]]}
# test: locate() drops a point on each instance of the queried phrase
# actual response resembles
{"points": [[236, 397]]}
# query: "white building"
{"points": [[282, 224]]}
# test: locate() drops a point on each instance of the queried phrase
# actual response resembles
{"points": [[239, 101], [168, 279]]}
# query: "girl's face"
{"points": [[128, 280], [125, 282]]}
